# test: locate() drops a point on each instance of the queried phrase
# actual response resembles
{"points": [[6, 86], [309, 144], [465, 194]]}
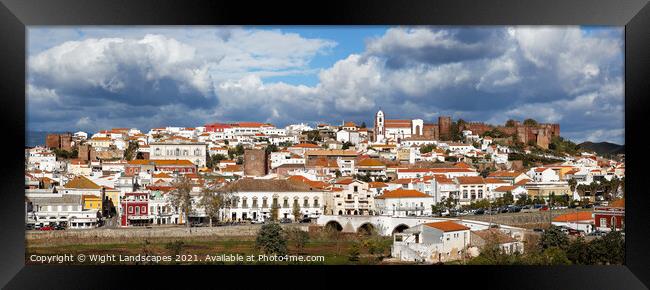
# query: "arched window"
{"points": [[178, 152]]}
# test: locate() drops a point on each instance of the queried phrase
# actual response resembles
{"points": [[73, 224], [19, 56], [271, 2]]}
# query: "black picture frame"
{"points": [[15, 15]]}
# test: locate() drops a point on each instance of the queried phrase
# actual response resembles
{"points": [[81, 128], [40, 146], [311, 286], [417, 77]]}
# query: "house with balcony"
{"points": [[350, 197], [135, 209], [404, 202], [254, 199]]}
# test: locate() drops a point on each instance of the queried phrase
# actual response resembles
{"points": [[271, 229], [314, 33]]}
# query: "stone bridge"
{"points": [[388, 225]]}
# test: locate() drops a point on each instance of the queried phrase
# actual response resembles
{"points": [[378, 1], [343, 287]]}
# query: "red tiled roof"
{"points": [[470, 180], [402, 193], [573, 217], [447, 226]]}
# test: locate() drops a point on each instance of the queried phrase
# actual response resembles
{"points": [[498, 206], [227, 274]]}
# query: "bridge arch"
{"points": [[367, 229], [400, 228], [333, 225]]}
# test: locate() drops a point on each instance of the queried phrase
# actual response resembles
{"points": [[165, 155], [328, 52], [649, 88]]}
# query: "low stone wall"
{"points": [[153, 232], [521, 219]]}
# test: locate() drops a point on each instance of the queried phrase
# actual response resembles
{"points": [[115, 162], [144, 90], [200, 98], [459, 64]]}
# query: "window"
{"points": [[144, 209], [603, 222], [465, 194], [286, 202], [264, 203], [480, 193], [356, 189], [137, 210], [315, 201], [130, 209], [254, 202], [306, 202], [178, 152]]}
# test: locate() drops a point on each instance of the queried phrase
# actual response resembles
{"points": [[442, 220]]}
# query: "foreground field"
{"points": [[194, 250]]}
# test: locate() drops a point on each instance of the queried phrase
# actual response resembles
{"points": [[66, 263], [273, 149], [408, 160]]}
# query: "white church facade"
{"points": [[396, 130]]}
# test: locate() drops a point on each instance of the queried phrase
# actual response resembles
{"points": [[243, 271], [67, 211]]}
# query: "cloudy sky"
{"points": [[91, 78]]}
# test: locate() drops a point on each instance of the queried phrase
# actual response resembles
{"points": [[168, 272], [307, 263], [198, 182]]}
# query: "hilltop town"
{"points": [[415, 181]]}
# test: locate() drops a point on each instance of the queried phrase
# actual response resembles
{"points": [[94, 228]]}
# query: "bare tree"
{"points": [[213, 200], [181, 197]]}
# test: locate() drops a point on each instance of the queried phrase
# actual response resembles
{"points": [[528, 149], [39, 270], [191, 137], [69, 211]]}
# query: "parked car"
{"points": [[59, 227], [46, 228], [597, 233], [286, 221], [305, 220], [514, 209], [503, 210], [544, 208], [479, 211], [538, 230], [30, 226]]}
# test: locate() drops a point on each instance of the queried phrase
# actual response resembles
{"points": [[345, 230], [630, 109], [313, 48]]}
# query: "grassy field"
{"points": [[334, 251]]}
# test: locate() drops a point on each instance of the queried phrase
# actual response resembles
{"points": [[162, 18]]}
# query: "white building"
{"points": [[194, 152], [432, 242], [253, 199], [348, 136], [404, 202]]}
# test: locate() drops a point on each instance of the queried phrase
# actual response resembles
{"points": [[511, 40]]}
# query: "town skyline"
{"points": [[91, 78]]}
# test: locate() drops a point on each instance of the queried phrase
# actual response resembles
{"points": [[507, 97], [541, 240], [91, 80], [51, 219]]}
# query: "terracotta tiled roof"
{"points": [[504, 188], [179, 162], [494, 180], [374, 184], [402, 193], [618, 203], [502, 173], [470, 180], [305, 145], [370, 162], [523, 181], [81, 182], [574, 216], [447, 226]]}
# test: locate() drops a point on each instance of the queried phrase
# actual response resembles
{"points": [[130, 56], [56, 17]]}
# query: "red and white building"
{"points": [[134, 209], [610, 217]]}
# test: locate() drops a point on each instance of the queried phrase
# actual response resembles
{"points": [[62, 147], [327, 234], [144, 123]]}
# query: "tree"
{"points": [[131, 150], [511, 123], [338, 173], [353, 253], [314, 136], [298, 238], [296, 210], [213, 201], [271, 240], [609, 249], [181, 197], [275, 210], [436, 209], [578, 252], [347, 145], [363, 125], [271, 148], [427, 148], [553, 237], [530, 122]]}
